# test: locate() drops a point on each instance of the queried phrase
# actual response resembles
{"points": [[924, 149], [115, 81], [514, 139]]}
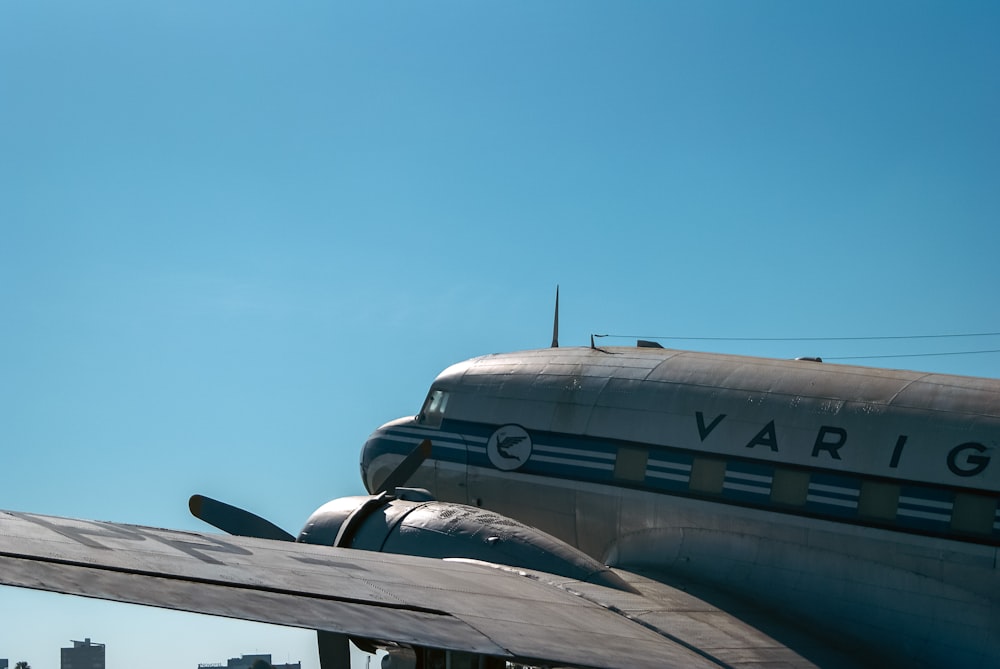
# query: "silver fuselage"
{"points": [[862, 502]]}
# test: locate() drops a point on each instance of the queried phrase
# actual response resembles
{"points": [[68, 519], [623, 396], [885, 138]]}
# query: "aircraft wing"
{"points": [[456, 605]]}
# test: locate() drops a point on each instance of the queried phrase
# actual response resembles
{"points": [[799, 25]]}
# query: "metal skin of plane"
{"points": [[859, 503], [621, 507]]}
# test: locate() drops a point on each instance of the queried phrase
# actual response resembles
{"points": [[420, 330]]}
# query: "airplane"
{"points": [[610, 507]]}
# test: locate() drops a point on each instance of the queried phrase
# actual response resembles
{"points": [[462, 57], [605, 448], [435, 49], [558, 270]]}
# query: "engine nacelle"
{"points": [[412, 523]]}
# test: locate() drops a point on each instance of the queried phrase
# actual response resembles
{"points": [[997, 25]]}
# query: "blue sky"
{"points": [[235, 237]]}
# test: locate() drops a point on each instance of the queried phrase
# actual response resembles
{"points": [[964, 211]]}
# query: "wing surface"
{"points": [[454, 605]]}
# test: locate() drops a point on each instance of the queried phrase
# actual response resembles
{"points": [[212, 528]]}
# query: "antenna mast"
{"points": [[555, 322]]}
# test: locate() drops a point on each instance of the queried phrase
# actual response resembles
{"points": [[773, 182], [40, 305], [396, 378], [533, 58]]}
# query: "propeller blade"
{"points": [[234, 520], [401, 474], [364, 645]]}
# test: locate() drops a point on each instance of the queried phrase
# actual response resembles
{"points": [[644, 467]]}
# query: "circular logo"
{"points": [[509, 447]]}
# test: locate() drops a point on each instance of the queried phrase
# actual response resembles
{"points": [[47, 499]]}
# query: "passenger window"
{"points": [[973, 513], [434, 406], [790, 486], [879, 500]]}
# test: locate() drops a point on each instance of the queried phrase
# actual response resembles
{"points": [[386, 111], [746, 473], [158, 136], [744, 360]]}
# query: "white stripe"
{"points": [[676, 466], [830, 500], [923, 514], [749, 477], [928, 503], [448, 444], [401, 440], [669, 477], [573, 451], [819, 487], [574, 463], [746, 488], [426, 433], [415, 440], [430, 432], [477, 449]]}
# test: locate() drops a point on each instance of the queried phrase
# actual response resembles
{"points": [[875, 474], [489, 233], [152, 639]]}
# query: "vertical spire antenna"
{"points": [[555, 322]]}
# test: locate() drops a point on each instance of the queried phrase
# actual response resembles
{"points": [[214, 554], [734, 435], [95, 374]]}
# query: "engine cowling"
{"points": [[413, 523]]}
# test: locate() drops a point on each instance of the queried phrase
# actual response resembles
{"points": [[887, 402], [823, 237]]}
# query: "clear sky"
{"points": [[235, 237]]}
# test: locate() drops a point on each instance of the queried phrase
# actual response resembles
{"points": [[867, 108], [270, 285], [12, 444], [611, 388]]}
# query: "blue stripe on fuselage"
{"points": [[922, 508]]}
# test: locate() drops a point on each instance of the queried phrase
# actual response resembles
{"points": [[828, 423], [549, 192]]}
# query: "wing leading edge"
{"points": [[453, 605]]}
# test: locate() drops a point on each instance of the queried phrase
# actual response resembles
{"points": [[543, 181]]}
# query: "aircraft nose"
{"points": [[369, 452], [374, 466]]}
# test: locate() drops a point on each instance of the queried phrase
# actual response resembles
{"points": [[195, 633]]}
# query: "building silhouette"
{"points": [[256, 661], [83, 655]]}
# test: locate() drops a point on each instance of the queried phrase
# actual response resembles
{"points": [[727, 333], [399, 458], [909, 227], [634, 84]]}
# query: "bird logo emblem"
{"points": [[505, 443], [509, 447]]}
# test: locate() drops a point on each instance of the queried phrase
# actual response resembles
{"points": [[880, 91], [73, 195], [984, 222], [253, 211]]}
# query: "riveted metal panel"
{"points": [[891, 423]]}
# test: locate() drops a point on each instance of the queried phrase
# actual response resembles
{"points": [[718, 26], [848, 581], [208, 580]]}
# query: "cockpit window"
{"points": [[434, 407]]}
